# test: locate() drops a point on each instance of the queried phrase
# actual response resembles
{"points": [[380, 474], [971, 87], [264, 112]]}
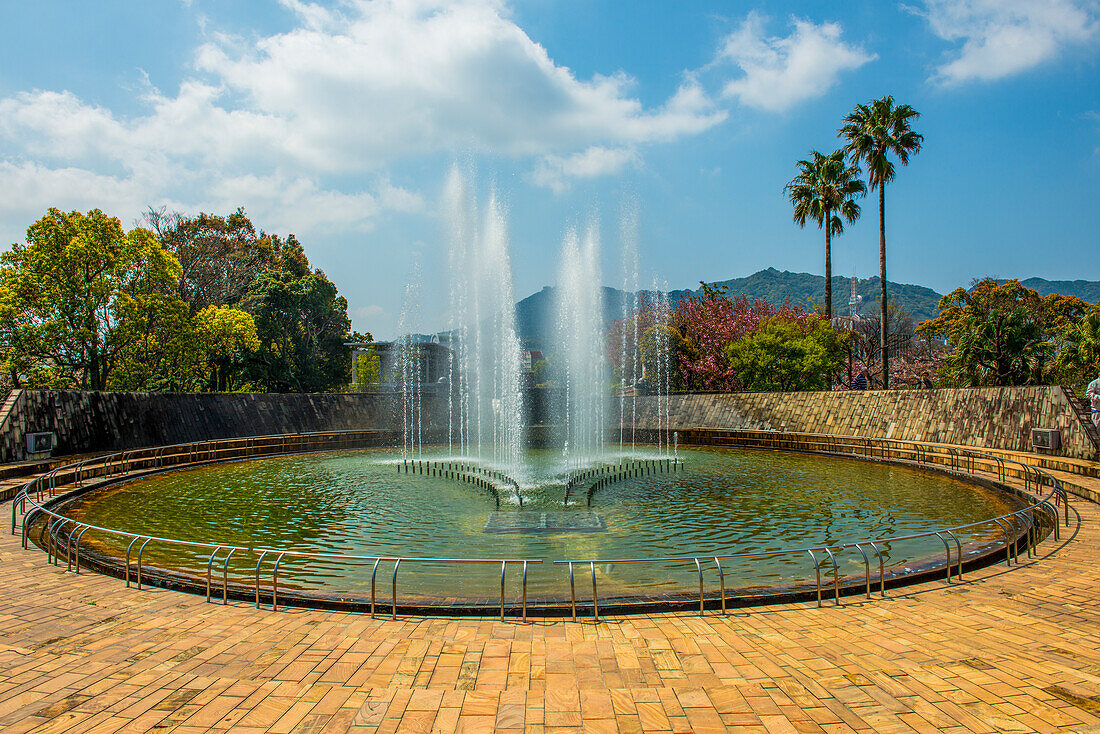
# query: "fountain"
{"points": [[473, 500], [485, 395]]}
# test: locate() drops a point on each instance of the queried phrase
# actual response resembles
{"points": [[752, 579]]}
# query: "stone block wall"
{"points": [[86, 421], [994, 417]]}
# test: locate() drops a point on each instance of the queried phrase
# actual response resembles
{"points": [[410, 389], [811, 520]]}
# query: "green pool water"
{"points": [[724, 501]]}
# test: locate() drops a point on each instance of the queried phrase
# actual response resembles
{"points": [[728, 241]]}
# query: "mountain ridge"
{"points": [[535, 313]]}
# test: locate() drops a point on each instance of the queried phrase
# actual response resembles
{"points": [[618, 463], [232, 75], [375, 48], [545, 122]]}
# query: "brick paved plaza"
{"points": [[1006, 650]]}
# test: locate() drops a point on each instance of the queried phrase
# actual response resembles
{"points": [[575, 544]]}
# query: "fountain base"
{"points": [[544, 522]]}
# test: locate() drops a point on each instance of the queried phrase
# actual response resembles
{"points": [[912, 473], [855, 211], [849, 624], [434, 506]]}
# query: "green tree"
{"points": [[160, 350], [1079, 357], [220, 257], [874, 132], [979, 301], [228, 337], [788, 355], [302, 324], [368, 369], [68, 290], [825, 191], [1003, 346]]}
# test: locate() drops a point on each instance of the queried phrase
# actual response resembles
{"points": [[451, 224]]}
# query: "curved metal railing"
{"points": [[1019, 527]]}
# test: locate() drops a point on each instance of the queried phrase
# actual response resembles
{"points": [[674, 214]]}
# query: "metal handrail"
{"points": [[200, 452], [811, 551]]}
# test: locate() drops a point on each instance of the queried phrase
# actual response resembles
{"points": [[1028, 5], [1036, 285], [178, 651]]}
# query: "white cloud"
{"points": [[400, 77], [555, 172], [300, 205], [364, 312], [268, 122], [1005, 37], [781, 71]]}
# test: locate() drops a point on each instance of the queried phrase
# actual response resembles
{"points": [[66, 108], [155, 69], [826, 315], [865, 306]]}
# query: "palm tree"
{"points": [[825, 190], [874, 131]]}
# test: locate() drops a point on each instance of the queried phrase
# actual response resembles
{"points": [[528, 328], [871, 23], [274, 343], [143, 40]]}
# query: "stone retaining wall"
{"points": [[993, 417], [86, 421]]}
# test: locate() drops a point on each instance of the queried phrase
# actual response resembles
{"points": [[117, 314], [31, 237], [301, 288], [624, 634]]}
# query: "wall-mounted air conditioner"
{"points": [[40, 445], [1043, 438]]}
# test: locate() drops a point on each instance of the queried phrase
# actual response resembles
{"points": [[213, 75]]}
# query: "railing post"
{"points": [[721, 583], [1008, 549], [817, 570], [209, 568], [503, 567], [373, 577], [958, 547], [947, 547], [77, 553], [595, 600], [836, 576], [68, 545], [225, 577], [866, 568], [572, 592], [258, 564], [275, 584], [128, 548], [525, 591], [699, 569], [395, 567], [141, 552]]}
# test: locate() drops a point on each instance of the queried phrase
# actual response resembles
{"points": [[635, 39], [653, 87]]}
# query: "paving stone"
{"points": [[1008, 649]]}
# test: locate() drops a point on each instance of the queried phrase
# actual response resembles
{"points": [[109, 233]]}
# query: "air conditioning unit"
{"points": [[1042, 438], [40, 445]]}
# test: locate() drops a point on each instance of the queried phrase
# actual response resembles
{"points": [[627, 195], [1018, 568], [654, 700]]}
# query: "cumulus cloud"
{"points": [[1005, 37], [346, 93], [781, 71], [555, 172], [399, 77], [365, 312]]}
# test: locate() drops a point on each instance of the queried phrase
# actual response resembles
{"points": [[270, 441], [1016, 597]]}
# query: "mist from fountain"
{"points": [[484, 377], [484, 399], [628, 354], [408, 364], [580, 344]]}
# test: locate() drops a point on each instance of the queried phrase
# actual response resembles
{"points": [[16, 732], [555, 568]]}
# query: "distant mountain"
{"points": [[808, 290], [535, 315], [1086, 290]]}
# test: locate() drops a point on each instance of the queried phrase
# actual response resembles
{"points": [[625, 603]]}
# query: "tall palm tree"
{"points": [[825, 190], [875, 131]]}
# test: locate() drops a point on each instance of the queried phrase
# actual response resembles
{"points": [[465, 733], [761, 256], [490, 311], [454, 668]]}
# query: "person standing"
{"points": [[860, 383], [1093, 393]]}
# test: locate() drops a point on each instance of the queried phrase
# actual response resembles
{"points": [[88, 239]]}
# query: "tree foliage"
{"points": [[784, 354], [301, 323], [69, 290], [1001, 333], [85, 304], [695, 338], [1004, 346], [1078, 357], [220, 256], [824, 191], [874, 132], [230, 338]]}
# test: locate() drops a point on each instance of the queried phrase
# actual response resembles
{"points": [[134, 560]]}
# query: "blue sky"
{"points": [[339, 122]]}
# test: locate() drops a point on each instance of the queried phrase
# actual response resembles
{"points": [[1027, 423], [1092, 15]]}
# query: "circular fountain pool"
{"points": [[725, 501]]}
